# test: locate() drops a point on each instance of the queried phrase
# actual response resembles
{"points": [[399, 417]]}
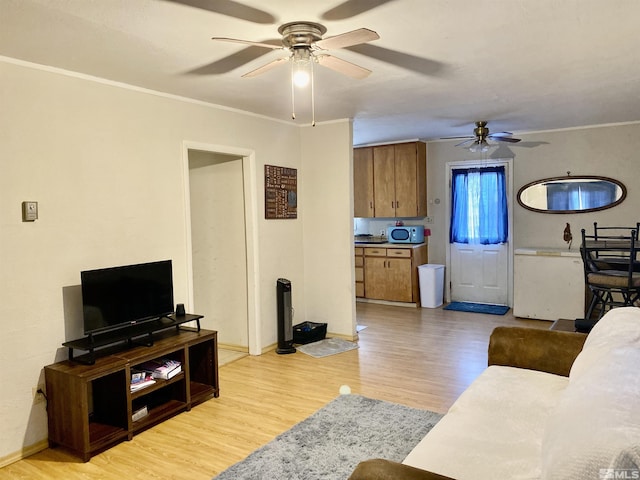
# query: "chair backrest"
{"points": [[614, 232], [611, 235], [616, 253]]}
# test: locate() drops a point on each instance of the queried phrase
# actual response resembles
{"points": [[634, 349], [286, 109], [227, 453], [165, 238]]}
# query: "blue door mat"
{"points": [[477, 308]]}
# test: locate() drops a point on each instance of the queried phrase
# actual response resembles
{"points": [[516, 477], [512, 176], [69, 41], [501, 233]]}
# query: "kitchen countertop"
{"points": [[391, 245]]}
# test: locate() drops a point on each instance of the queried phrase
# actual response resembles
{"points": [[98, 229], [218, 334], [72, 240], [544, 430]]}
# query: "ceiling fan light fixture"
{"points": [[302, 75], [480, 146], [301, 78], [301, 67]]}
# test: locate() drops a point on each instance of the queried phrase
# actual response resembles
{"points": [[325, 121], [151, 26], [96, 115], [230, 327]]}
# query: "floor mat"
{"points": [[326, 347], [477, 308]]}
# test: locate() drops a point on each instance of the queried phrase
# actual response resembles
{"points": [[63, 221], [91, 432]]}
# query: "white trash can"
{"points": [[431, 280]]}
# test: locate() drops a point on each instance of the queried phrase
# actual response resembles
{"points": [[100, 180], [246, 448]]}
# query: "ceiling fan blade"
{"points": [[355, 37], [230, 62], [504, 139], [466, 142], [342, 66], [265, 68], [413, 63], [351, 8], [501, 134], [254, 44], [453, 138], [231, 8]]}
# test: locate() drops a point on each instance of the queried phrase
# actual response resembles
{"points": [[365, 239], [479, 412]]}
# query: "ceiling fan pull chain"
{"points": [[293, 93], [313, 103]]}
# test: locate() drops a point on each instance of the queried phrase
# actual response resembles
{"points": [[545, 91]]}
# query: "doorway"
{"points": [[221, 253], [480, 271]]}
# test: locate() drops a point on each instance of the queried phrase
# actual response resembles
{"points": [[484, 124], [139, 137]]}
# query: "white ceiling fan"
{"points": [[304, 42], [305, 46]]}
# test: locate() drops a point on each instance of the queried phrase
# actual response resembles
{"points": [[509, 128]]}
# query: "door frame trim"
{"points": [[249, 176], [508, 163]]}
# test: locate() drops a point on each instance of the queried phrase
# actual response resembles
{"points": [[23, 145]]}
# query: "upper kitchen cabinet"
{"points": [[363, 182], [399, 179]]}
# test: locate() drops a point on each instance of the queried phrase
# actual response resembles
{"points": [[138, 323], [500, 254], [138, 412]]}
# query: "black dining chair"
{"points": [[609, 270], [610, 235], [611, 232]]}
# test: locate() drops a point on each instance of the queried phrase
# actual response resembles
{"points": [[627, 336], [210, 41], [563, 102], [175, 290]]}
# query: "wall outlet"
{"points": [[429, 219], [38, 394]]}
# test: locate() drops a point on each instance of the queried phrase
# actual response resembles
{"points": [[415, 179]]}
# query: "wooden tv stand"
{"points": [[90, 407]]}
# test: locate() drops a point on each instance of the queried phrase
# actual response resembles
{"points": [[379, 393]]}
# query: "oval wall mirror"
{"points": [[572, 194]]}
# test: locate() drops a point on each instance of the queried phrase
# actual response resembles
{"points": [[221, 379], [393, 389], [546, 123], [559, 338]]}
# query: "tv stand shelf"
{"points": [[90, 406], [135, 334]]}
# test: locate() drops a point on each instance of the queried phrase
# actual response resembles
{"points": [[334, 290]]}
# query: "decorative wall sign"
{"points": [[280, 192]]}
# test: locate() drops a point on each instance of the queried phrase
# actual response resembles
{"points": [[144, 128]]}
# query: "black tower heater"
{"points": [[285, 317]]}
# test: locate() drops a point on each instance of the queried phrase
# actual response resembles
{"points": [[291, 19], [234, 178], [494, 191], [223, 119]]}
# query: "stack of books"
{"points": [[139, 413], [140, 379], [162, 368]]}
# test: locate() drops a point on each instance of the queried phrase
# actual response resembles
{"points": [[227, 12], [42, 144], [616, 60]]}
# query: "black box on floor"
{"points": [[308, 332]]}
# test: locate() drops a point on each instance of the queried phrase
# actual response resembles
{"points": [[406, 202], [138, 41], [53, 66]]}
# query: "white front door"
{"points": [[481, 273]]}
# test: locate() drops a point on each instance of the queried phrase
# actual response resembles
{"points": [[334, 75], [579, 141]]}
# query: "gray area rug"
{"points": [[330, 443], [326, 347]]}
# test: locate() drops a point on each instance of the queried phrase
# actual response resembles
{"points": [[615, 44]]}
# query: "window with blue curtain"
{"points": [[479, 211]]}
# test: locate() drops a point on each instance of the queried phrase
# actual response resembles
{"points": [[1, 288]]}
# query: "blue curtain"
{"points": [[479, 206]]}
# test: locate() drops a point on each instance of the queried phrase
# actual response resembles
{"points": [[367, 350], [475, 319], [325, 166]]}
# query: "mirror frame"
{"points": [[572, 177]]}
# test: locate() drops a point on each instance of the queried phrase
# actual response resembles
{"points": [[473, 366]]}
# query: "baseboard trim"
{"points": [[235, 348], [24, 453], [387, 302]]}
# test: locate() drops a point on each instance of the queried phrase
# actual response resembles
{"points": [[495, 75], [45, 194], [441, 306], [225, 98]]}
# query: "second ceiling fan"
{"points": [[478, 141]]}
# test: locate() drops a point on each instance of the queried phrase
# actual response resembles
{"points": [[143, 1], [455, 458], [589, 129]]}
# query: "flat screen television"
{"points": [[117, 297]]}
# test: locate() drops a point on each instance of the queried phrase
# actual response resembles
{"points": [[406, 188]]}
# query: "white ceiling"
{"points": [[523, 65]]}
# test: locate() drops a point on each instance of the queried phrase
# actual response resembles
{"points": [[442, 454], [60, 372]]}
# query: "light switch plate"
{"points": [[29, 211]]}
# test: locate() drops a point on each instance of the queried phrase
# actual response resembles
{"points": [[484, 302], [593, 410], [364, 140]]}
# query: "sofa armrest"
{"points": [[548, 351], [379, 469]]}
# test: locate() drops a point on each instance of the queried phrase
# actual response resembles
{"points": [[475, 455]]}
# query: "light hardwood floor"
{"points": [[422, 358]]}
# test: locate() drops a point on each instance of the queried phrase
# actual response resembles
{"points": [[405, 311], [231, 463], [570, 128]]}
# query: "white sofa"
{"points": [[518, 423]]}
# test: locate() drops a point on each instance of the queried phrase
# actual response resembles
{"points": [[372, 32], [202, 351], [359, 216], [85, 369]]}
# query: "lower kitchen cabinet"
{"points": [[359, 265], [391, 274]]}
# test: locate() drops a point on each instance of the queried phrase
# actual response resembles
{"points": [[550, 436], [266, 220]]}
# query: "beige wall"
{"points": [[329, 283], [106, 165]]}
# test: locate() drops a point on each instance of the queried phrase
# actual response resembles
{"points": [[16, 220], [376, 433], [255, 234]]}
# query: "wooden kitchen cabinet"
{"points": [[359, 266], [400, 180], [390, 181], [392, 273], [363, 182]]}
